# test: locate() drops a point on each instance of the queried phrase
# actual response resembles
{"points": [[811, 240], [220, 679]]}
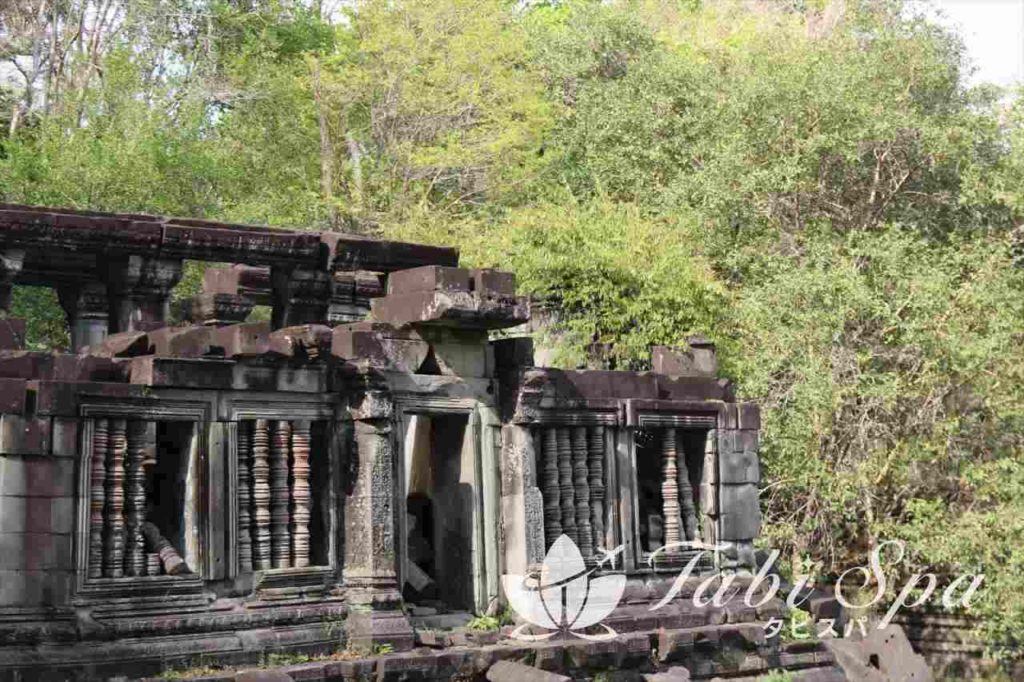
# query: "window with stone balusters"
{"points": [[572, 474], [282, 494], [585, 472], [143, 495], [669, 472]]}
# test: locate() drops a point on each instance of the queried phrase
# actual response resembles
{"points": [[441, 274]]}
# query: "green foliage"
{"points": [[484, 624], [777, 676], [46, 327]]}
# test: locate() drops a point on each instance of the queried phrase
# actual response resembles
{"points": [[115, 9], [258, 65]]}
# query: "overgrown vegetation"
{"points": [[811, 184]]}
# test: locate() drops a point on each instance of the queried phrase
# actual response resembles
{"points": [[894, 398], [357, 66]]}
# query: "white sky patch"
{"points": [[993, 32]]}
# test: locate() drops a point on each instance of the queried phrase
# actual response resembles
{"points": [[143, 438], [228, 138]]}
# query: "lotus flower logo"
{"points": [[563, 597]]}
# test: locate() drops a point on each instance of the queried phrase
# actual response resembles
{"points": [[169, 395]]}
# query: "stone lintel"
{"points": [[60, 367], [428, 278], [353, 252], [152, 370], [472, 310]]}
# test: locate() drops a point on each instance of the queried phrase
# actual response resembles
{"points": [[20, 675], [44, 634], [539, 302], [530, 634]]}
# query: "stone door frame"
{"points": [[485, 439]]}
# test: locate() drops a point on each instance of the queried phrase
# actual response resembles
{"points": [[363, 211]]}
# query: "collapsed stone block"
{"points": [[885, 655], [491, 281], [241, 340], [508, 671], [380, 345], [309, 341], [121, 345], [699, 359], [428, 278], [216, 309], [471, 310]]}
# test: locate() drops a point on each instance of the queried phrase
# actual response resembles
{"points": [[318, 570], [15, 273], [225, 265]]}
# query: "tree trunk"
{"points": [[326, 149]]}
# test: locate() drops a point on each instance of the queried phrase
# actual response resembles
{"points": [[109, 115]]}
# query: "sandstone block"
{"points": [[35, 552], [36, 476], [24, 435], [182, 372], [35, 588], [739, 512], [250, 338], [492, 281], [22, 514], [470, 310], [699, 360], [12, 334], [12, 396], [508, 671], [64, 437], [308, 340], [740, 466], [749, 416], [428, 278]]}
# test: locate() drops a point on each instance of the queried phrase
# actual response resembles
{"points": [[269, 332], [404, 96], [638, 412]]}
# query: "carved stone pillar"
{"points": [[299, 297], [88, 310], [139, 288], [370, 570], [670, 487], [551, 490], [301, 496], [11, 262], [97, 496], [581, 483], [595, 461], [522, 510], [566, 487], [687, 508], [261, 494], [280, 495], [113, 547], [244, 457], [140, 435]]}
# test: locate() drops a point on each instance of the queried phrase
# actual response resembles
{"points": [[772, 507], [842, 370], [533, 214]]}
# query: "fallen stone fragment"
{"points": [[507, 671], [673, 674], [885, 655], [263, 676]]}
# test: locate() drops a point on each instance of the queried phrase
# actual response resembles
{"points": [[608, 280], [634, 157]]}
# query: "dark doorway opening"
{"points": [[440, 510]]}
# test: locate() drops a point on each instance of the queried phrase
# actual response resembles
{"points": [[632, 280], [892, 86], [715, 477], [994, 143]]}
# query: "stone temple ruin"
{"points": [[355, 474]]}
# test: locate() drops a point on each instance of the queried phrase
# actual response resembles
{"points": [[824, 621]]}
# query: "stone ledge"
{"points": [[471, 310]]}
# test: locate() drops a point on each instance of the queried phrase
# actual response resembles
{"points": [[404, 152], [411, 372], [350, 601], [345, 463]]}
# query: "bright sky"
{"points": [[993, 31]]}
